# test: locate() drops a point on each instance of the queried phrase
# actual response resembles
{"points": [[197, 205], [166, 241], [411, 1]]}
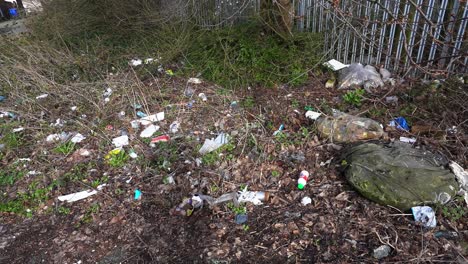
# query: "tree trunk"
{"points": [[20, 4], [278, 15]]}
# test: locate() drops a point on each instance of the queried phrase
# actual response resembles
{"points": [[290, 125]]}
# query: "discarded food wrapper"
{"points": [[408, 140], [136, 62], [306, 200], [194, 80], [312, 115], [203, 97], [120, 141], [279, 130], [214, 144], [152, 118], [335, 65], [424, 215], [19, 129], [399, 123], [174, 127], [149, 131], [163, 138], [42, 96], [137, 195], [73, 197], [253, 197], [77, 138]]}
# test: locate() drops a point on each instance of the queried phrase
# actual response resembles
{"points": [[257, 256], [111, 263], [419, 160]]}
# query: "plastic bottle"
{"points": [[302, 181]]}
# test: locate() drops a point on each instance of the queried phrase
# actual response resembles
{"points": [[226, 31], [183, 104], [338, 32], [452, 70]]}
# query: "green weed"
{"points": [[240, 209], [213, 157], [10, 176], [275, 173], [248, 102], [63, 210], [117, 159], [12, 140], [354, 98], [65, 148]]}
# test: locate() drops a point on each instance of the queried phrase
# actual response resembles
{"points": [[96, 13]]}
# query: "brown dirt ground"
{"points": [[340, 226]]}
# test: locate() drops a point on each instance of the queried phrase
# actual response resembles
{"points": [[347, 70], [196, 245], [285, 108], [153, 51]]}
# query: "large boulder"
{"points": [[399, 175]]}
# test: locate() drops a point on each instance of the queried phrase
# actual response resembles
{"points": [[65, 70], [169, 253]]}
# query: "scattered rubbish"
{"points": [[149, 131], [2, 98], [330, 84], [382, 252], [357, 75], [136, 62], [148, 60], [109, 127], [188, 205], [399, 175], [408, 140], [42, 96], [174, 127], [57, 137], [241, 219], [306, 200], [203, 97], [108, 92], [446, 234], [346, 128], [302, 181], [234, 105], [32, 173], [253, 197], [190, 104], [328, 162], [73, 197], [58, 123], [77, 138], [7, 114], [19, 129], [279, 130], [169, 179], [135, 124], [312, 115], [391, 99], [121, 114], [141, 114], [137, 106], [170, 72], [399, 123], [385, 74], [213, 144], [152, 118], [120, 141], [163, 138], [194, 80], [83, 152], [335, 65], [424, 215], [133, 154], [137, 195]]}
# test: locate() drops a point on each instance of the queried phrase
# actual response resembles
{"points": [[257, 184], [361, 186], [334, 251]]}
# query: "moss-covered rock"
{"points": [[399, 175]]}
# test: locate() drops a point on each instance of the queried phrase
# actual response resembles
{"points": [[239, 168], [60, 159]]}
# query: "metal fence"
{"points": [[405, 36]]}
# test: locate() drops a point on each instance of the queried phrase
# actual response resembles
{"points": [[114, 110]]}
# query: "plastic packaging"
{"points": [[306, 200], [347, 128], [214, 144], [357, 75], [253, 197], [203, 97], [149, 131], [400, 123], [302, 181], [424, 215], [163, 138], [120, 141]]}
